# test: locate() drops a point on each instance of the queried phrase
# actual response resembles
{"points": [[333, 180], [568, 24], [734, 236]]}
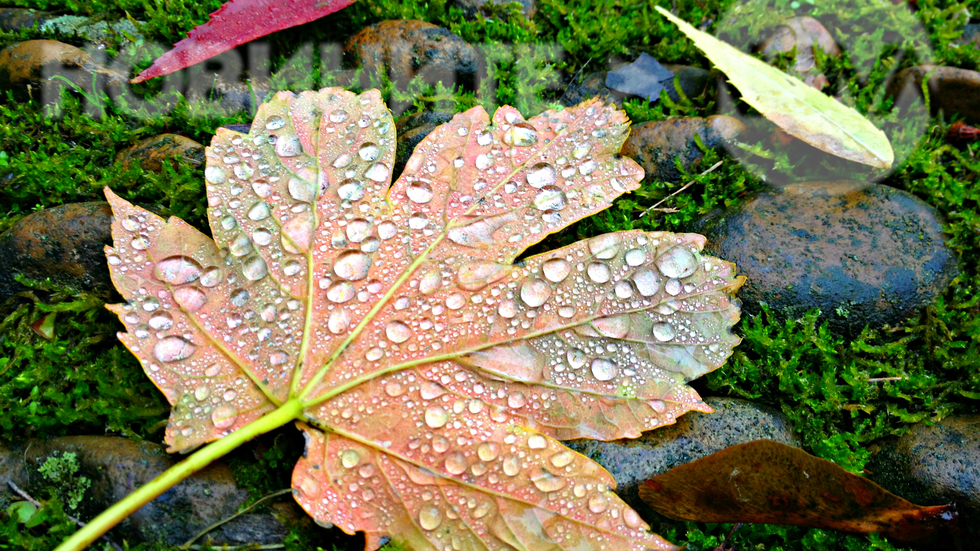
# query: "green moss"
{"points": [[60, 471]]}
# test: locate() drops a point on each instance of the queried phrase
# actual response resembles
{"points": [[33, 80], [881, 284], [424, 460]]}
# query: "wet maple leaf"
{"points": [[431, 375]]}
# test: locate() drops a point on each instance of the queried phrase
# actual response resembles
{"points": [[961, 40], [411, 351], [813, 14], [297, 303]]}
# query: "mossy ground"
{"points": [[85, 382]]}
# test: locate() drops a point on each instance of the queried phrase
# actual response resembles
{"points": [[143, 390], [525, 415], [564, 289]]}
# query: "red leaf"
{"points": [[772, 483], [235, 23]]}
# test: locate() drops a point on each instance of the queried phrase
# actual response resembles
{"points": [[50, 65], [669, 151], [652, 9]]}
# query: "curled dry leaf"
{"points": [[431, 375], [768, 482], [798, 109]]}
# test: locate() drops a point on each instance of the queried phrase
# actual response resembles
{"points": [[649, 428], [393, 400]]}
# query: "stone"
{"points": [[935, 465], [64, 244], [485, 7], [863, 254], [693, 82], [952, 90], [656, 144], [15, 19], [410, 48], [412, 130], [802, 33], [26, 68], [695, 435], [117, 466], [151, 153]]}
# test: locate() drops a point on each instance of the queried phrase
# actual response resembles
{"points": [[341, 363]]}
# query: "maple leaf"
{"points": [[235, 23], [432, 376]]}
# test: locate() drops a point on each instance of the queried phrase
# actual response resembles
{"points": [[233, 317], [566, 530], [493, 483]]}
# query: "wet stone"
{"points": [[656, 144], [632, 462], [952, 90], [15, 19], [117, 466], [63, 243], [935, 465], [412, 48], [693, 82], [26, 68], [863, 254], [411, 131], [151, 153], [802, 33]]}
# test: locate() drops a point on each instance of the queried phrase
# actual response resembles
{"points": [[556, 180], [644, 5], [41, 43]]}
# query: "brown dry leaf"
{"points": [[772, 483], [432, 376]]}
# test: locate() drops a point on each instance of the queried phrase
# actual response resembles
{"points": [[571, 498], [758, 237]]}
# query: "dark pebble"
{"points": [[656, 144], [952, 90], [152, 152], [26, 68], [693, 82], [15, 19], [863, 254], [802, 33]]}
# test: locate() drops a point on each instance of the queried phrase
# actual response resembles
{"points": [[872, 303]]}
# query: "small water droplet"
{"points": [[456, 463], [436, 416], [352, 265], [140, 242], [229, 395], [178, 270], [259, 211], [678, 262], [576, 358], [663, 331], [563, 459], [338, 115], [599, 272], [604, 369], [339, 321], [420, 192], [488, 451], [397, 332], [429, 517], [556, 270], [394, 389], [440, 444], [211, 277], [455, 301], [537, 442], [173, 349], [274, 123], [598, 503], [542, 174], [511, 465], [673, 287], [547, 482], [213, 370], [240, 297], [341, 292], [191, 299], [202, 392], [278, 357], [228, 223], [482, 510], [535, 292], [288, 146], [369, 152]]}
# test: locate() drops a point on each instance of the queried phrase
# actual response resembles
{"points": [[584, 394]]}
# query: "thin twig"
{"points": [[880, 379], [245, 546], [37, 504], [187, 544], [687, 185], [575, 76]]}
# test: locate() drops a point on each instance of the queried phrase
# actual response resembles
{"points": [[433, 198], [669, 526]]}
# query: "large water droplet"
{"points": [[678, 262], [429, 517], [214, 175], [239, 297], [511, 465], [292, 267], [341, 292], [369, 152], [663, 331], [173, 349], [301, 190], [211, 277], [397, 332], [378, 172], [178, 270], [563, 459], [576, 358], [338, 115], [603, 369], [599, 272], [598, 503], [241, 246], [351, 190], [350, 459], [547, 482], [352, 265], [615, 327], [488, 451], [288, 146], [255, 268], [275, 123], [535, 292], [224, 416], [162, 321], [522, 134], [259, 211], [556, 270], [550, 198], [358, 230], [436, 416], [542, 174], [516, 400], [130, 223], [647, 282], [339, 321], [537, 442], [419, 192], [631, 519], [507, 308], [456, 463], [623, 289], [394, 389], [191, 299], [201, 392], [151, 304], [635, 257], [605, 247]]}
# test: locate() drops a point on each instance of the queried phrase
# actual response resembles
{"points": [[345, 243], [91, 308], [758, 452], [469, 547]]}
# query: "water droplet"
{"points": [[224, 416], [537, 442], [173, 349], [339, 321], [297, 234], [274, 123], [142, 331], [191, 299], [615, 327], [140, 242], [228, 223], [588, 167], [241, 246], [397, 332], [291, 267], [436, 416], [378, 172], [507, 308], [663, 331], [161, 322], [178, 270], [213, 370], [239, 297], [488, 451], [647, 282], [229, 395], [420, 192], [278, 357], [535, 292], [576, 358], [366, 471], [151, 304], [550, 198], [623, 289], [636, 257], [351, 190], [455, 301], [352, 265], [511, 465], [456, 463], [202, 392], [516, 400], [547, 482], [369, 152], [605, 246], [394, 389], [599, 272], [255, 268], [259, 211], [429, 517], [603, 369], [342, 160], [563, 459], [350, 459], [523, 134], [374, 354], [632, 519], [678, 262], [301, 190], [214, 174], [673, 287], [211, 277], [358, 230], [262, 189], [542, 174], [341, 292], [598, 503], [288, 146], [482, 510], [440, 444], [114, 260], [130, 223]]}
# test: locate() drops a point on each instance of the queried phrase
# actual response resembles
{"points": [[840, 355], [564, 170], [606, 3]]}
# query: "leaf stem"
{"points": [[101, 524]]}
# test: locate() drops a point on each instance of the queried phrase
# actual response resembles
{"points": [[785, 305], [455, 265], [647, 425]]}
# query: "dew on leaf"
{"points": [[214, 175], [563, 458], [429, 517], [211, 277], [255, 268], [173, 349], [488, 451], [436, 416], [678, 262], [191, 299], [397, 332], [341, 292], [378, 172], [274, 123], [351, 190], [576, 358], [259, 211], [598, 503], [289, 146], [301, 190], [535, 292], [550, 198], [556, 270], [224, 416], [369, 152], [547, 482], [663, 331], [647, 282], [604, 369], [511, 465], [636, 257], [599, 272], [537, 442], [542, 174], [178, 270], [352, 265], [456, 463], [419, 192]]}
